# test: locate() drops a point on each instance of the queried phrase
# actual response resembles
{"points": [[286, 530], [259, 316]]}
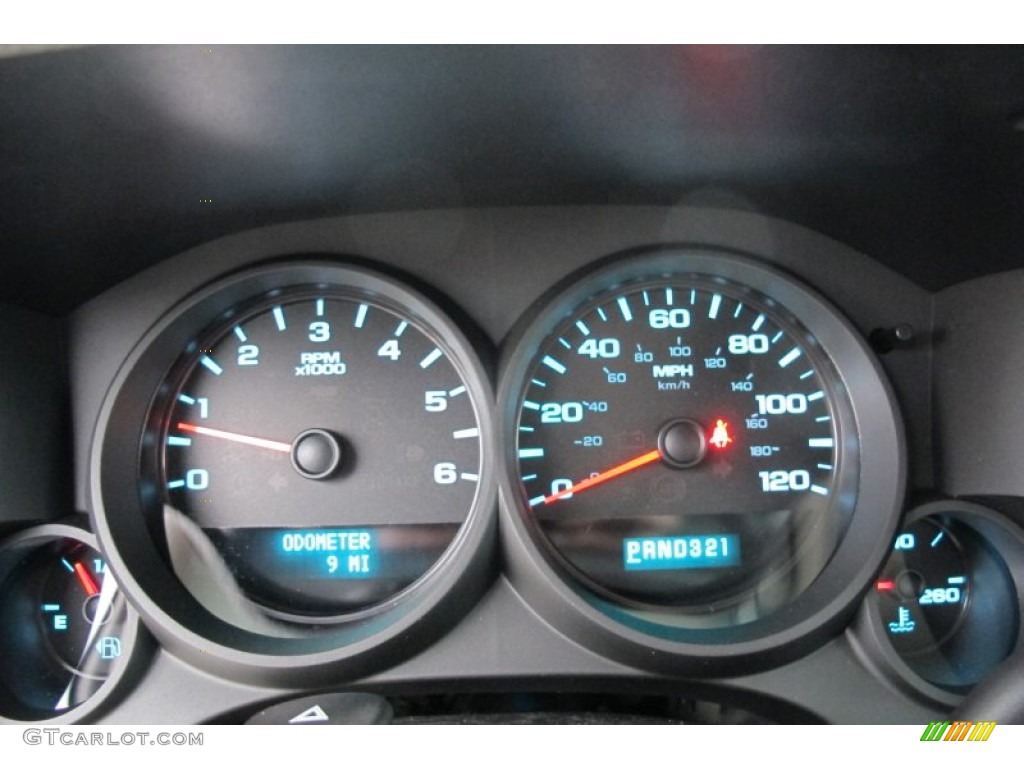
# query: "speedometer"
{"points": [[693, 442], [680, 442]]}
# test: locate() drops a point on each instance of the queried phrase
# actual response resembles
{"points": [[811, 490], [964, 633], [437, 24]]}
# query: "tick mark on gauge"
{"points": [[400, 329], [553, 364], [361, 315], [739, 309], [820, 490], [319, 307], [186, 399], [530, 405], [583, 327], [430, 359], [790, 356], [531, 453], [457, 391], [179, 441], [526, 429], [815, 396], [240, 334], [776, 337], [601, 314], [820, 442], [757, 323], [211, 365], [469, 476], [462, 434], [627, 313], [279, 318], [538, 382], [716, 303], [806, 375], [565, 343]]}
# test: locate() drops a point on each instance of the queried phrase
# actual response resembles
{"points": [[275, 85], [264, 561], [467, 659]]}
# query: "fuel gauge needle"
{"points": [[107, 593], [235, 437], [619, 469], [86, 580]]}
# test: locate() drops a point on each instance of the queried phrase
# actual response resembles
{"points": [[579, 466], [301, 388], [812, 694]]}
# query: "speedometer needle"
{"points": [[619, 469], [259, 442]]}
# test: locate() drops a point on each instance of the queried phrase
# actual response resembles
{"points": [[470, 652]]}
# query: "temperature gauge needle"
{"points": [[619, 469], [259, 442]]}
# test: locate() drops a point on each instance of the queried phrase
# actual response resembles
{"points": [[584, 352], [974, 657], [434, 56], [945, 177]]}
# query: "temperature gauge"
{"points": [[923, 589], [946, 606], [67, 624]]}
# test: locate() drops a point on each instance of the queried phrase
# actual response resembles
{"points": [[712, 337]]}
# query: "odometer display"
{"points": [[680, 443]]}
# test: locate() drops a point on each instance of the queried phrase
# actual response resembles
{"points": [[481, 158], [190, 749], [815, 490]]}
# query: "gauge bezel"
{"points": [[362, 642], [868, 631], [646, 637], [11, 551]]}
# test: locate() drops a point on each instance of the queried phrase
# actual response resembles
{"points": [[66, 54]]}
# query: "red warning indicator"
{"points": [[886, 586], [720, 436]]}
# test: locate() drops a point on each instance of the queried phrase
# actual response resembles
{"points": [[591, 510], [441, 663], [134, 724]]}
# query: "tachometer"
{"points": [[686, 438], [292, 472], [328, 445]]}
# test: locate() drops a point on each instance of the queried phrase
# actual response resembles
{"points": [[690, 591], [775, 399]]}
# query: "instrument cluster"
{"points": [[687, 459]]}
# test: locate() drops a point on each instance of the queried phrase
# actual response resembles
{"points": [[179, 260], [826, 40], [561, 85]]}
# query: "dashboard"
{"points": [[511, 385]]}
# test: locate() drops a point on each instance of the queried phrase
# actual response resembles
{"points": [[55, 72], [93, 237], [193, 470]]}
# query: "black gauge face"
{"points": [[923, 591], [680, 442], [326, 443], [66, 623], [946, 601]]}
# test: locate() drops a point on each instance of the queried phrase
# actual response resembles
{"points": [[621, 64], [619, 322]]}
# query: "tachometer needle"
{"points": [[619, 469], [86, 580], [259, 442]]}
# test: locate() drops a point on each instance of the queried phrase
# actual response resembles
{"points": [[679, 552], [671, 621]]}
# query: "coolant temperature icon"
{"points": [[904, 623]]}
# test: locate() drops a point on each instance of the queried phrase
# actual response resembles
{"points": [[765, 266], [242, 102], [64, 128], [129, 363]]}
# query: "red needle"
{"points": [[608, 474], [86, 580], [259, 442]]}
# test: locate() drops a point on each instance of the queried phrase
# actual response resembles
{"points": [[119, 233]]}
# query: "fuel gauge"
{"points": [[67, 628]]}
